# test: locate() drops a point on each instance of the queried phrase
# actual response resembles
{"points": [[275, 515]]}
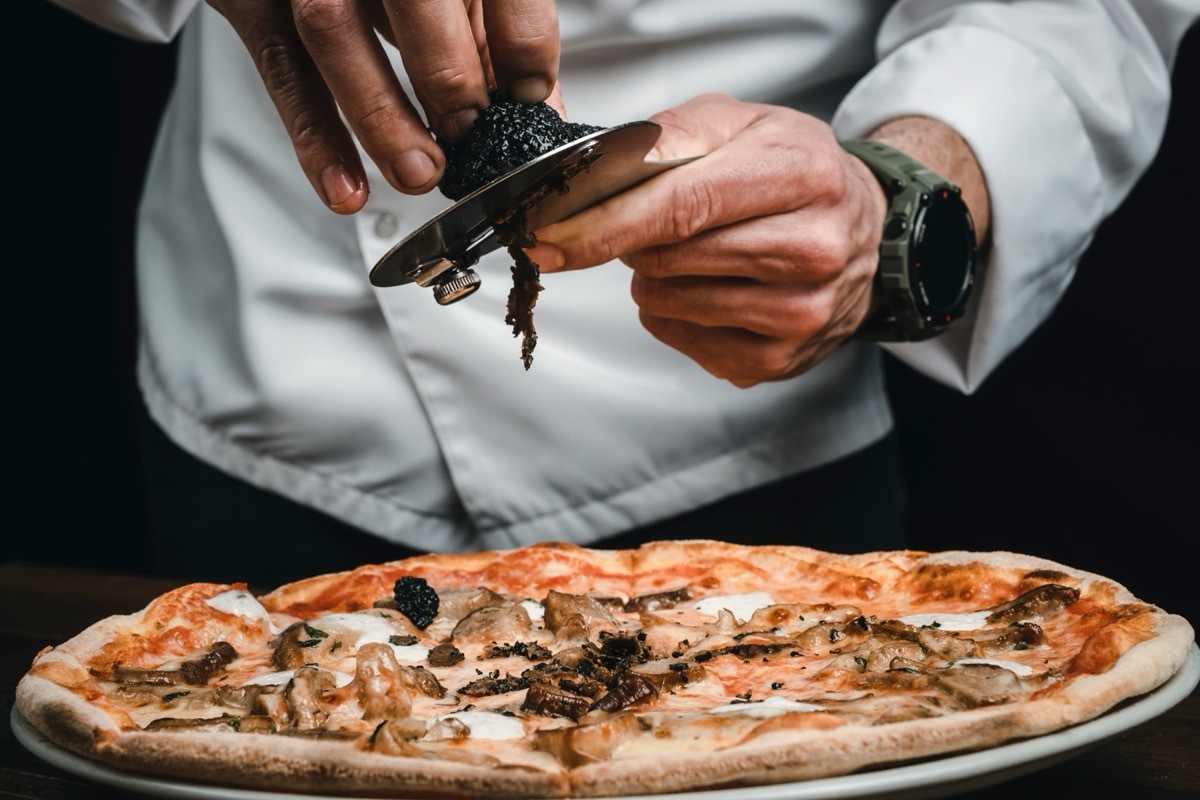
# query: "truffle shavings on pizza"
{"points": [[556, 671]]}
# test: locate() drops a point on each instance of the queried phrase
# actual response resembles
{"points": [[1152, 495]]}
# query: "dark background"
{"points": [[1080, 448]]}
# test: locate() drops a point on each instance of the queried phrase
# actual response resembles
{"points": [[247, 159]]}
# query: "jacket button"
{"points": [[386, 226]]}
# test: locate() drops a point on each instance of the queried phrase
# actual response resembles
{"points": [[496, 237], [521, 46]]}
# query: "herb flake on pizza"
{"points": [[559, 671]]}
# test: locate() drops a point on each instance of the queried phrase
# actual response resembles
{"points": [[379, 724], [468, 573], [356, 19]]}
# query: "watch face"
{"points": [[943, 255]]}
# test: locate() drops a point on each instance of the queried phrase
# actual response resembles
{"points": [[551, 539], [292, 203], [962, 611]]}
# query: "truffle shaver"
{"points": [[566, 180]]}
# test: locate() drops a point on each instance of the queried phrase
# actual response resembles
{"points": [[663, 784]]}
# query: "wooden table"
{"points": [[42, 605]]}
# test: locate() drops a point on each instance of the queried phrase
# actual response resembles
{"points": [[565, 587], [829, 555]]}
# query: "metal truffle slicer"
{"points": [[442, 253]]}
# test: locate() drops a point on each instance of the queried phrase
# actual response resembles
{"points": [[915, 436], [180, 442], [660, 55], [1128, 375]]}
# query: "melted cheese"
{"points": [[535, 609], [484, 724], [243, 604], [1015, 667], [741, 606], [769, 707], [279, 678], [359, 629], [971, 621]]}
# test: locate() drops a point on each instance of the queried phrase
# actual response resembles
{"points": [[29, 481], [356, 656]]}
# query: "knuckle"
{"points": [[376, 113], [771, 360], [649, 294], [448, 75], [826, 253], [651, 262], [694, 204], [279, 63], [530, 45], [826, 168], [322, 16]]}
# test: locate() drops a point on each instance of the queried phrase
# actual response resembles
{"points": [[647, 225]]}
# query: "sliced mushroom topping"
{"points": [[950, 645], [1039, 602], [422, 680], [903, 675], [658, 600], [797, 617], [553, 701], [575, 614], [879, 708], [239, 698], [274, 706], [578, 659], [294, 644], [457, 603], [976, 685], [581, 685], [393, 738], [895, 629], [305, 697], [381, 691], [587, 744], [148, 677], [227, 724], [630, 689], [448, 728], [825, 637], [256, 723], [198, 672], [144, 694], [223, 724], [194, 672], [335, 636], [495, 624], [242, 697], [881, 658], [1017, 636], [666, 675]]}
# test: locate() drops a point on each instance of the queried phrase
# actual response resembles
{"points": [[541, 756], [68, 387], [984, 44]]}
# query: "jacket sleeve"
{"points": [[148, 20], [1064, 105]]}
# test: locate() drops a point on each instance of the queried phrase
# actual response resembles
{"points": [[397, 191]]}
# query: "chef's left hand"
{"points": [[757, 260]]}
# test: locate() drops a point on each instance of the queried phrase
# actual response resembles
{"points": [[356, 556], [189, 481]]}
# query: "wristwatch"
{"points": [[927, 254]]}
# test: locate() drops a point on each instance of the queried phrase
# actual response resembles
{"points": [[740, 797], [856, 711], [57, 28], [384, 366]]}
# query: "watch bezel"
{"points": [[909, 310], [929, 295]]}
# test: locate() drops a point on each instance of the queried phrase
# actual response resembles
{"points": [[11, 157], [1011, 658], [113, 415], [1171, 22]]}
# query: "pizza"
{"points": [[559, 671]]}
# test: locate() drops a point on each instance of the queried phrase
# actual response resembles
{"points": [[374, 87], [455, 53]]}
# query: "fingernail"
{"points": [[547, 256], [456, 126], [414, 169], [337, 185], [529, 90]]}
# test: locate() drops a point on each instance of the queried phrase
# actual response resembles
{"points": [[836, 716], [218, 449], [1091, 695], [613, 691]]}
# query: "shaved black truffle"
{"points": [[416, 599], [506, 135]]}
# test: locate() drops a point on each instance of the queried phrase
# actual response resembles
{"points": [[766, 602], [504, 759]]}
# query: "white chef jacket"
{"points": [[265, 350]]}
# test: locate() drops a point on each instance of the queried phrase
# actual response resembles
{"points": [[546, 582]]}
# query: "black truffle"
{"points": [[417, 600], [506, 135]]}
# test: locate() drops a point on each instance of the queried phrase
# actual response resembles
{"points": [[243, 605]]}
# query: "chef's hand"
{"points": [[756, 261], [319, 56]]}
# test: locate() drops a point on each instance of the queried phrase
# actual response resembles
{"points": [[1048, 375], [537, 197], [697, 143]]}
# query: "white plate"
{"points": [[929, 779]]}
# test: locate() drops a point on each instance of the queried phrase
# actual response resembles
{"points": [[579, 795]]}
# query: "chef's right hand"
{"points": [[317, 57]]}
